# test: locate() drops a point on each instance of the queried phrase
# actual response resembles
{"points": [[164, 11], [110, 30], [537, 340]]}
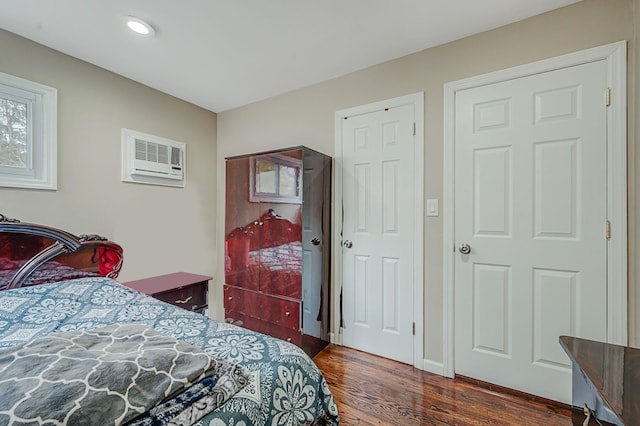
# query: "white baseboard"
{"points": [[433, 367]]}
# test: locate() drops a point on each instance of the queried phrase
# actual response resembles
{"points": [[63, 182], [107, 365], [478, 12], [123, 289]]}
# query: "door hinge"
{"points": [[607, 229], [414, 129], [607, 96], [414, 328]]}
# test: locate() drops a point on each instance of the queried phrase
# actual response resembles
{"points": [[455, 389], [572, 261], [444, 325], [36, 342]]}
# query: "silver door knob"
{"points": [[464, 248], [348, 243]]}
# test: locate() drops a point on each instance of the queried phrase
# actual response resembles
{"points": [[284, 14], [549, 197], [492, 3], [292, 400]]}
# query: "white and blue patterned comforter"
{"points": [[286, 388]]}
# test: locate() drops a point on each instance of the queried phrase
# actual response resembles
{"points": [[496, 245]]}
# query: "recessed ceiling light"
{"points": [[139, 26]]}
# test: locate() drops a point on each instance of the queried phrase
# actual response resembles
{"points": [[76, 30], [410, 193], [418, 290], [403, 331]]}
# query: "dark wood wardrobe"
{"points": [[277, 245]]}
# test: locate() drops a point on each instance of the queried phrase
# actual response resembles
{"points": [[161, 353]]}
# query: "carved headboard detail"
{"points": [[32, 254]]}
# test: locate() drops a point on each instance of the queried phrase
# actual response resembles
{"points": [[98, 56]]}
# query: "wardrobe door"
{"points": [[276, 184], [240, 262], [313, 244]]}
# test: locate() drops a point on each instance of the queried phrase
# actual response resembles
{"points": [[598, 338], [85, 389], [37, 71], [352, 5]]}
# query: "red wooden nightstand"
{"points": [[182, 289]]}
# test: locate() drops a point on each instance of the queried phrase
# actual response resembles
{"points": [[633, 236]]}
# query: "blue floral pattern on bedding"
{"points": [[286, 388]]}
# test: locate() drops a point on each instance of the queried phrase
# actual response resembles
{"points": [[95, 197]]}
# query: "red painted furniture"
{"points": [[32, 254], [182, 289], [275, 202]]}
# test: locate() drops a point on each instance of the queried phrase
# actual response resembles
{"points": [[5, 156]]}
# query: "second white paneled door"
{"points": [[531, 204], [378, 232]]}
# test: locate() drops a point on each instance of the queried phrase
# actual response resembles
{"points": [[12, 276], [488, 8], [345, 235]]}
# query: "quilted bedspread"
{"points": [[285, 386], [112, 375]]}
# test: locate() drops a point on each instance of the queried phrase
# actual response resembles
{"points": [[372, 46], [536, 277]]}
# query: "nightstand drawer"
{"points": [[186, 297]]}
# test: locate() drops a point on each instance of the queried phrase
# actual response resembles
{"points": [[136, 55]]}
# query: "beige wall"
{"points": [[161, 229], [306, 116]]}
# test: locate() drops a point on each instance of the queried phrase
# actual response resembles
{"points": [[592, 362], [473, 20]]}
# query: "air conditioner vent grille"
{"points": [[141, 150], [154, 152], [163, 154]]}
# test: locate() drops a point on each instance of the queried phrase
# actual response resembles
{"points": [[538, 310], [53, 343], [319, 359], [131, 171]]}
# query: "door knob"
{"points": [[315, 241], [348, 243], [464, 248]]}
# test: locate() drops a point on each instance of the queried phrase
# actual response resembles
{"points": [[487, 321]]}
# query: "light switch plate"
{"points": [[432, 207]]}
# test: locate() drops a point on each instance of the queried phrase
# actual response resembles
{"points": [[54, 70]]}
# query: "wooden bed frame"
{"points": [[28, 249]]}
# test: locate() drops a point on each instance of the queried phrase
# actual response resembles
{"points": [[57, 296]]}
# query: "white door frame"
{"points": [[417, 99], [615, 55]]}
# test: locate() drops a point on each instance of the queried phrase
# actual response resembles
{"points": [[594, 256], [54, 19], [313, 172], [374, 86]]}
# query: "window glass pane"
{"points": [[265, 177], [288, 182], [13, 133]]}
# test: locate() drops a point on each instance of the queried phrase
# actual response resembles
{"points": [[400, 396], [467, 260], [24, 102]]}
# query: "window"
{"points": [[275, 178], [28, 134]]}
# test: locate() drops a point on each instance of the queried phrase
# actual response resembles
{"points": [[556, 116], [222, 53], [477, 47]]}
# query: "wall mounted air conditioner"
{"points": [[152, 159]]}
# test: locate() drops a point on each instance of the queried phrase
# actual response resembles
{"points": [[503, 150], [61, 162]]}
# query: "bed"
{"points": [[57, 296]]}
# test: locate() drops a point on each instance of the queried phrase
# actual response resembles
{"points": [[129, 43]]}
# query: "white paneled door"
{"points": [[530, 205], [378, 232]]}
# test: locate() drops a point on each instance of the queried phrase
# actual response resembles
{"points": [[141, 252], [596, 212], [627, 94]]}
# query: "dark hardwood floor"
{"points": [[371, 390]]}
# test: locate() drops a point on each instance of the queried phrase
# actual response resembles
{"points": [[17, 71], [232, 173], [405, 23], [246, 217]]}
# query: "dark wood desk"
{"points": [[607, 378], [182, 289]]}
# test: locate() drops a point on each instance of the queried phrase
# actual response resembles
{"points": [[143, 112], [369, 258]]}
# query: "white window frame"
{"points": [[42, 101]]}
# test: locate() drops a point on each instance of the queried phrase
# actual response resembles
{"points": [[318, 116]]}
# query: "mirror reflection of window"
{"points": [[275, 178], [265, 177], [288, 181]]}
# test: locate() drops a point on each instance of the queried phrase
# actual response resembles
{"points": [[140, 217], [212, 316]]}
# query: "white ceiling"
{"points": [[222, 54]]}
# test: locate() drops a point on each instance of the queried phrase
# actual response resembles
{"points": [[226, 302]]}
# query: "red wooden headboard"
{"points": [[33, 254]]}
